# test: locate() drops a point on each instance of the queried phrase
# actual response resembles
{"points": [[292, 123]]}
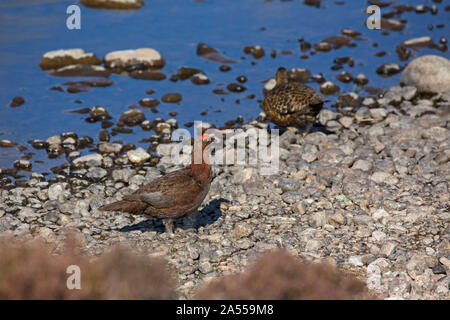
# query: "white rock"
{"points": [[313, 245], [138, 155], [63, 57], [54, 140], [57, 191], [148, 56], [355, 261], [380, 214], [242, 176], [373, 269], [378, 235], [270, 84], [374, 282], [421, 41], [74, 53]]}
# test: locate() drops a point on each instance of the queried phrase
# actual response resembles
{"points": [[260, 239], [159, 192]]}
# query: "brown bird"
{"points": [[173, 195], [292, 104]]}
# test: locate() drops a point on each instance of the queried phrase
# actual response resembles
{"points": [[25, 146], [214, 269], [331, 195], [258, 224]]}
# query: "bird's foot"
{"points": [[170, 226], [293, 129]]}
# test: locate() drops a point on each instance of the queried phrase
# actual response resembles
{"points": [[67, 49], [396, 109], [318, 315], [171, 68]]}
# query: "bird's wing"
{"points": [[178, 187], [304, 97]]}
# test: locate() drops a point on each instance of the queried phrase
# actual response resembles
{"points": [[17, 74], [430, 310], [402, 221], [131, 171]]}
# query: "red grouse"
{"points": [[173, 195]]}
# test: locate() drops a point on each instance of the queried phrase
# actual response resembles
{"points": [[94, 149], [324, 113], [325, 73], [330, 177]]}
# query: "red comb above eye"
{"points": [[205, 137]]}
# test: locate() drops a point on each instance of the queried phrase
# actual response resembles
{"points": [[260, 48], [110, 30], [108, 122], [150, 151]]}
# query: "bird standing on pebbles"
{"points": [[292, 104], [173, 195]]}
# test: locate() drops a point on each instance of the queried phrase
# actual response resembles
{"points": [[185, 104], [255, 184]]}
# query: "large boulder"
{"points": [[428, 74]]}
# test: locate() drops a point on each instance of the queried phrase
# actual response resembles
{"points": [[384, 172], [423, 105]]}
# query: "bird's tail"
{"points": [[116, 206], [125, 206]]}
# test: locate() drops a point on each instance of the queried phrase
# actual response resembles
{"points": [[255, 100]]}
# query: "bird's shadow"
{"points": [[315, 127], [208, 215]]}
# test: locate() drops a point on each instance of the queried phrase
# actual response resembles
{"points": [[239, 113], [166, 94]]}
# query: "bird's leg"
{"points": [[170, 225], [307, 129], [293, 129]]}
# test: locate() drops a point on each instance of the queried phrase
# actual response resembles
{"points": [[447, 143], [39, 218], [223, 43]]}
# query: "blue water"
{"points": [[174, 28]]}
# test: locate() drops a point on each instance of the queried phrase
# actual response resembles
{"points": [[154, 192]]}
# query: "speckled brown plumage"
{"points": [[171, 196], [291, 104]]}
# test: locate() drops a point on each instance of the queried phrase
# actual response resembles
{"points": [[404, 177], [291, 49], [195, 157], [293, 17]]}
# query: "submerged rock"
{"points": [[187, 72], [388, 69], [147, 75], [257, 51], [299, 74], [361, 79], [329, 88], [22, 164], [200, 78], [98, 113], [7, 143], [132, 117], [337, 41], [17, 102], [209, 53], [171, 98], [149, 102], [392, 25], [234, 87], [80, 70], [113, 4]]}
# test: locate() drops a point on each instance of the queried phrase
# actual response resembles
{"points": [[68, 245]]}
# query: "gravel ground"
{"points": [[368, 191]]}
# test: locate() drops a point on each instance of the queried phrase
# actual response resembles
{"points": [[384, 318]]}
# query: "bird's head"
{"points": [[199, 153], [282, 76], [206, 140]]}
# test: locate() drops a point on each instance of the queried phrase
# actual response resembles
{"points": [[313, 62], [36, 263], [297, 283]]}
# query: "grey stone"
{"points": [[428, 73], [122, 174], [96, 173], [326, 115], [364, 165], [318, 219], [242, 230], [242, 176], [91, 160], [57, 190]]}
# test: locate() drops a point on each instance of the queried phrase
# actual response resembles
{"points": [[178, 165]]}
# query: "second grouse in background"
{"points": [[292, 104]]}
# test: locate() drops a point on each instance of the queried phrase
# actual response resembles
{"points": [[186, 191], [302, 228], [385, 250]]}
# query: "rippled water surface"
{"points": [[175, 28]]}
